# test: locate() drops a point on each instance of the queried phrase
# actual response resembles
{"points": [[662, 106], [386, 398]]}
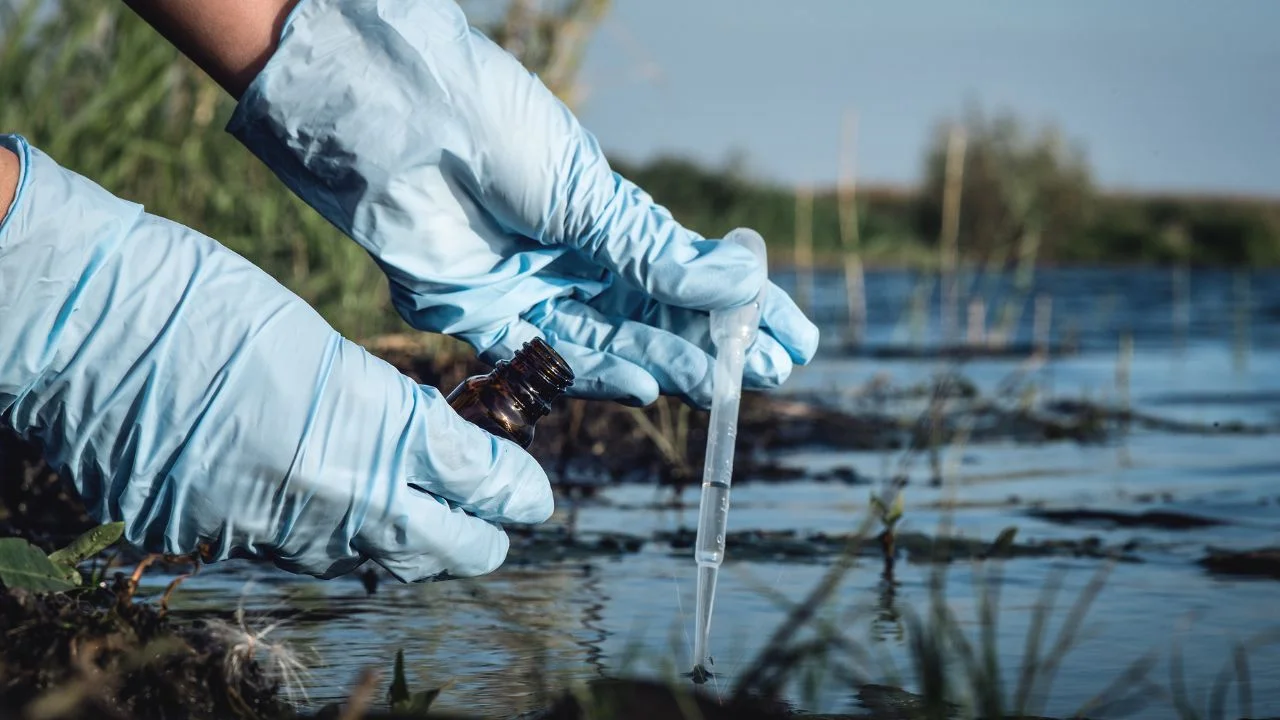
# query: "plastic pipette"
{"points": [[732, 330]]}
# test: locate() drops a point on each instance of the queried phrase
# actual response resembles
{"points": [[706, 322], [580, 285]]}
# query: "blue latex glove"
{"points": [[493, 213], [189, 394]]}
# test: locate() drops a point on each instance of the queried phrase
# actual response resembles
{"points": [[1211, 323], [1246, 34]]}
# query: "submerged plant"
{"points": [[888, 513], [401, 700]]}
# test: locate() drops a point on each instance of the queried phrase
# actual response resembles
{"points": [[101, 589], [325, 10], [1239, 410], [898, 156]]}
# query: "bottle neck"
{"points": [[535, 376]]}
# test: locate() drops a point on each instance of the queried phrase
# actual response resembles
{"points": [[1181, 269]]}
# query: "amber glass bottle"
{"points": [[510, 399]]}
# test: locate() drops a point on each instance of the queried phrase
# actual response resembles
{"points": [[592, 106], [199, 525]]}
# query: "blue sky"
{"points": [[1164, 94]]}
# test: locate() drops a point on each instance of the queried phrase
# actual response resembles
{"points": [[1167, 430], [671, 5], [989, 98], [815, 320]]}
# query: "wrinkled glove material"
{"points": [[189, 394], [495, 216]]}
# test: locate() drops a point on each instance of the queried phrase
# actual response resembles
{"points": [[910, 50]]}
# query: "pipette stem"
{"points": [[732, 330]]}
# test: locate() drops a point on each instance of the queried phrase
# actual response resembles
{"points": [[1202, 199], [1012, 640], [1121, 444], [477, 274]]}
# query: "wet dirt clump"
{"points": [[96, 653], [920, 548], [1256, 563], [1155, 519]]}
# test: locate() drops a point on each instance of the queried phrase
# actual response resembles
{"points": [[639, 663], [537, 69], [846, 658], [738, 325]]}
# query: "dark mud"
{"points": [[536, 545], [100, 652], [1257, 563], [1154, 519]]}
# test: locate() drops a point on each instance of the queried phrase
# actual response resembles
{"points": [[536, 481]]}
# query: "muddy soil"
{"points": [[1155, 519], [1257, 563], [99, 651]]}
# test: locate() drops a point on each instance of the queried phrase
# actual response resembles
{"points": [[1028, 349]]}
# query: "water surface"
{"points": [[1211, 355]]}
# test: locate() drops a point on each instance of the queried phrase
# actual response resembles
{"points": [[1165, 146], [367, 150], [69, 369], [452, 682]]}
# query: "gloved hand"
{"points": [[492, 211], [192, 396]]}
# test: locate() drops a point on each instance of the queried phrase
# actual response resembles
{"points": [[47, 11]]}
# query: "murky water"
{"points": [[1211, 355]]}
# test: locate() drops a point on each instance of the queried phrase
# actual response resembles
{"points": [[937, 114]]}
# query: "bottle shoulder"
{"points": [[482, 402]]}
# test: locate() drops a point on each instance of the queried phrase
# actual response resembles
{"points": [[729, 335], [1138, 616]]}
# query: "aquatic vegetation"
{"points": [[401, 700], [888, 513]]}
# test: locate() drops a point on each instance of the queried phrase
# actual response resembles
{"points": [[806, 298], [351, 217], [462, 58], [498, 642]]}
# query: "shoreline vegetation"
{"points": [[899, 225]]}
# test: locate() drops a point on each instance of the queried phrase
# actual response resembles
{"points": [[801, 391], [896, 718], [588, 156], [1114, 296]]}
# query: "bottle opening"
{"points": [[536, 375], [543, 367]]}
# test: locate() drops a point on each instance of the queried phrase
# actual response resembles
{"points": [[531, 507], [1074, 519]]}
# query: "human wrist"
{"points": [[12, 165], [10, 171]]}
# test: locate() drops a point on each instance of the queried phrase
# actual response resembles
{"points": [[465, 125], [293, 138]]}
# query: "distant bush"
{"points": [[1014, 183]]}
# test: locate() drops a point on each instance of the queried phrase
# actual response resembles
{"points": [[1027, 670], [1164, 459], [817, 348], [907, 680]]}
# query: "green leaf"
{"points": [[888, 515], [23, 565], [87, 545], [398, 693], [421, 702], [399, 697], [895, 512], [877, 506]]}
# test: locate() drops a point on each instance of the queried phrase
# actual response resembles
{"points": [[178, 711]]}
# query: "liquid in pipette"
{"points": [[712, 548]]}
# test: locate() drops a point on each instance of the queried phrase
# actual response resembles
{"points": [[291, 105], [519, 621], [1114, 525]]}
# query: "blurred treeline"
{"points": [[1022, 190], [103, 94]]}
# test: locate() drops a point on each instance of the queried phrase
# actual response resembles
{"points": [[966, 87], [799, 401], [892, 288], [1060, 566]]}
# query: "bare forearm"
{"points": [[230, 40]]}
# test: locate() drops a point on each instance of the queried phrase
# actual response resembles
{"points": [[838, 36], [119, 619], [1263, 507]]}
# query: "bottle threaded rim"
{"points": [[537, 358], [536, 375]]}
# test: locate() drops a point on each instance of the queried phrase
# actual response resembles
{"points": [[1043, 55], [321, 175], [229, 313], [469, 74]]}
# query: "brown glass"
{"points": [[509, 400]]}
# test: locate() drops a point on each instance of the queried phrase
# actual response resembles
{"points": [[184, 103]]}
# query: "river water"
{"points": [[1206, 348]]}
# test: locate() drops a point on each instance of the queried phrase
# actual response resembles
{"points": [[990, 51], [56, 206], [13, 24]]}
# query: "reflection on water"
{"points": [[887, 624], [503, 639]]}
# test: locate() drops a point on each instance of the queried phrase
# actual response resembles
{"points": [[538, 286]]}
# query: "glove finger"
{"points": [[597, 375], [786, 322], [487, 476], [622, 229], [780, 318], [428, 537], [677, 366], [768, 364]]}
